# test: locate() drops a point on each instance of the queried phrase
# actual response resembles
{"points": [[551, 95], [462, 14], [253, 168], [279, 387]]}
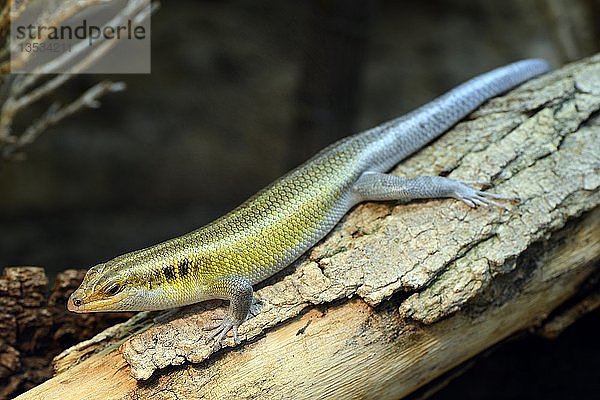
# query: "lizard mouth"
{"points": [[79, 304]]}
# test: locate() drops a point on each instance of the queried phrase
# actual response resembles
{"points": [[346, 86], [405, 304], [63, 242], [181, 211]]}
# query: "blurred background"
{"points": [[243, 90]]}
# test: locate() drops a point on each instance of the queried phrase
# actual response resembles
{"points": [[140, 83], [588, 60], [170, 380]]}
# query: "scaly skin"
{"points": [[278, 224]]}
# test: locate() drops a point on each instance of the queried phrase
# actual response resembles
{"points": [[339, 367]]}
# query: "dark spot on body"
{"points": [[169, 272], [184, 268]]}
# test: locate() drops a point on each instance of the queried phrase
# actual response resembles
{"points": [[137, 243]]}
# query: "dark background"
{"points": [[243, 90]]}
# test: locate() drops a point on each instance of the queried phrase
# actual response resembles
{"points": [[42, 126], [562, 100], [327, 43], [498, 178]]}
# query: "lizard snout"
{"points": [[75, 302]]}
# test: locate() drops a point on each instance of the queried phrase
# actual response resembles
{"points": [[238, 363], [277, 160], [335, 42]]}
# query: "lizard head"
{"points": [[120, 284], [104, 288], [139, 281]]}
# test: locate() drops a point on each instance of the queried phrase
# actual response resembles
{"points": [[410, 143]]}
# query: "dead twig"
{"points": [[20, 92]]}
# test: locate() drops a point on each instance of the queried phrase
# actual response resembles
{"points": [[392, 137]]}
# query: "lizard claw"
{"points": [[220, 330], [473, 197]]}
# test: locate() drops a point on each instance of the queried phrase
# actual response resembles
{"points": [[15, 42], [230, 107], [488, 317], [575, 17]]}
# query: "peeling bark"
{"points": [[35, 326]]}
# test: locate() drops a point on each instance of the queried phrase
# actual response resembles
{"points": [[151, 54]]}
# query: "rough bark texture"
{"points": [[35, 326], [430, 283]]}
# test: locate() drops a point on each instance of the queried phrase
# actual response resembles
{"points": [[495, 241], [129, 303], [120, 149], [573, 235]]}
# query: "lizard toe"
{"points": [[219, 330]]}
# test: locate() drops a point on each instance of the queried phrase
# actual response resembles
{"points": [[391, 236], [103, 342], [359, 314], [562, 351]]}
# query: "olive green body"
{"points": [[267, 232], [254, 241]]}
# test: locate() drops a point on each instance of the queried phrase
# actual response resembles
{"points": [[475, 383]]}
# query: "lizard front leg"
{"points": [[239, 293]]}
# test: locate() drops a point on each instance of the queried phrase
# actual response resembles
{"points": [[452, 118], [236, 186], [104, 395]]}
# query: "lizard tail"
{"points": [[397, 139]]}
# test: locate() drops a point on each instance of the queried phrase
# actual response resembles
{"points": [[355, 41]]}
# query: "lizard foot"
{"points": [[473, 197], [220, 329]]}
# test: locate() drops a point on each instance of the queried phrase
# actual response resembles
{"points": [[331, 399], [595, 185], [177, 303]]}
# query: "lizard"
{"points": [[266, 233]]}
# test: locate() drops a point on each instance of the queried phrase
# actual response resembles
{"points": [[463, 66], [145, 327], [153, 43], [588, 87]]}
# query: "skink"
{"points": [[225, 258]]}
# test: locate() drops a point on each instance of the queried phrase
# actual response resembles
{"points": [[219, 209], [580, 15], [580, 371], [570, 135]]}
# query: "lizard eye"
{"points": [[112, 289]]}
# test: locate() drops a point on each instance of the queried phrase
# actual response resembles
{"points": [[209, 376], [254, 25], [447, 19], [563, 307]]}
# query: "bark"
{"points": [[398, 294], [35, 326]]}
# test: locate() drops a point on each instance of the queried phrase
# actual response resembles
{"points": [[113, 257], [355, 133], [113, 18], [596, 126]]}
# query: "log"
{"points": [[397, 294], [35, 327]]}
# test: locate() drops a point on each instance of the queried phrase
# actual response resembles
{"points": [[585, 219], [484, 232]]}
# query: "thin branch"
{"points": [[49, 18], [8, 12], [16, 97], [57, 113], [13, 105], [133, 8]]}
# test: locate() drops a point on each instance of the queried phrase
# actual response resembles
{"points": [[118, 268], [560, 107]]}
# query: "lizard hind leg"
{"points": [[239, 292], [378, 186]]}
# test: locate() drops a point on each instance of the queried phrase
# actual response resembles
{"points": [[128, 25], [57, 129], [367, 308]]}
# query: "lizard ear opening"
{"points": [[112, 288]]}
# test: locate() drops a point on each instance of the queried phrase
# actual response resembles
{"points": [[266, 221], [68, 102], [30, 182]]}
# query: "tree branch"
{"points": [[17, 95]]}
